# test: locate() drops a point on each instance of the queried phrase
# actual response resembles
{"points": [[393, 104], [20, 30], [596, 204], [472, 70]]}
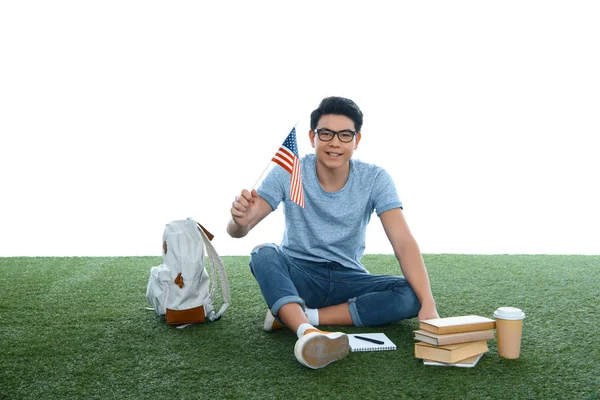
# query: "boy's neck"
{"points": [[333, 180]]}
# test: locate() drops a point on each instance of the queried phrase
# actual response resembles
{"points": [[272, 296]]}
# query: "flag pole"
{"points": [[268, 165], [261, 175]]}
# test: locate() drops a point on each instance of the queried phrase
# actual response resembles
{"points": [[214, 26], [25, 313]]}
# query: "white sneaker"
{"points": [[271, 324], [316, 348]]}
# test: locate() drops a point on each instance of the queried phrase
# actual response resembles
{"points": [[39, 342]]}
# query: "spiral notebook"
{"points": [[370, 342]]}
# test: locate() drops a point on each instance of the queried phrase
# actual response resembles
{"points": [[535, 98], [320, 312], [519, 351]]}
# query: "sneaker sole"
{"points": [[316, 350]]}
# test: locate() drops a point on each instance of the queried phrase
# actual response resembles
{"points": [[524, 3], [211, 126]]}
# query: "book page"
{"points": [[466, 363]]}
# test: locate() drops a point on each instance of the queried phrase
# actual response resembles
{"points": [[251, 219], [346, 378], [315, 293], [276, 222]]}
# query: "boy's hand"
{"points": [[428, 311], [245, 208]]}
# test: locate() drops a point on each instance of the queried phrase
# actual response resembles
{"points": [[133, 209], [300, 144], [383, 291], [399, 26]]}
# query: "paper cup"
{"points": [[509, 327]]}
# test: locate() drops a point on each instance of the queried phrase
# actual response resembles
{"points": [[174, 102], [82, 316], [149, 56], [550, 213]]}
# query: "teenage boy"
{"points": [[315, 276]]}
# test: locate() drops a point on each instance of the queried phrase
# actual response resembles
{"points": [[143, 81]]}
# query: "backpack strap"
{"points": [[208, 234], [215, 260]]}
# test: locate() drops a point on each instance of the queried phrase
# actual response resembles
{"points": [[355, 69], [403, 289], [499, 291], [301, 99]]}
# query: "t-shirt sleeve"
{"points": [[385, 196], [273, 188]]}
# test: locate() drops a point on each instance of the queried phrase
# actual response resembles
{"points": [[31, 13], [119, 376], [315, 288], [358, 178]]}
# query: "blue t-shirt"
{"points": [[333, 225]]}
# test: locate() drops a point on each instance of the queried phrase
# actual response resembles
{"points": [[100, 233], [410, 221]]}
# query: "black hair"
{"points": [[337, 106]]}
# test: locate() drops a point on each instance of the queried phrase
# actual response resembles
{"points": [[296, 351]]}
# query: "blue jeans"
{"points": [[372, 299]]}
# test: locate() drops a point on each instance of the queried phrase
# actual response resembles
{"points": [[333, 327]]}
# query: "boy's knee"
{"points": [[272, 246], [263, 255], [264, 250]]}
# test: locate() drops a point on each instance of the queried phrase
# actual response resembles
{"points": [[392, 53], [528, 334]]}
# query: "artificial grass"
{"points": [[77, 328]]}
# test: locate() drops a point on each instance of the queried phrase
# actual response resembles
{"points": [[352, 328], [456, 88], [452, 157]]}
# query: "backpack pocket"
{"points": [[188, 316]]}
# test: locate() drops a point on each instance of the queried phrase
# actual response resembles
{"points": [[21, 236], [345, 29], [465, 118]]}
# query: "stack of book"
{"points": [[453, 341]]}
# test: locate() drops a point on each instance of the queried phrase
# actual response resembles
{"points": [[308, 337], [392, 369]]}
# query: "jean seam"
{"points": [[293, 264]]}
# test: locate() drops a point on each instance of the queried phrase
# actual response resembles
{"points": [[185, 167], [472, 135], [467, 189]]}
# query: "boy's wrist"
{"points": [[428, 303], [236, 230]]}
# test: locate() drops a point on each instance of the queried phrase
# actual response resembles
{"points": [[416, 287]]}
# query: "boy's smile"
{"points": [[334, 154]]}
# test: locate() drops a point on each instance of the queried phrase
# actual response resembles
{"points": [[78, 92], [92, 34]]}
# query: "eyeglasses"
{"points": [[326, 135]]}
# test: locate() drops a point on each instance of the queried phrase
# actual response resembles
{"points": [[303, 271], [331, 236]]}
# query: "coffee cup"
{"points": [[509, 327]]}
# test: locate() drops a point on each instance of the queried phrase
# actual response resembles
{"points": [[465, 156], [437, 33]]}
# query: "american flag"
{"points": [[287, 158]]}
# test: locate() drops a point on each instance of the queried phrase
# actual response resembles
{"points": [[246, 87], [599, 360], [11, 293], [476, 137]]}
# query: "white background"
{"points": [[117, 117]]}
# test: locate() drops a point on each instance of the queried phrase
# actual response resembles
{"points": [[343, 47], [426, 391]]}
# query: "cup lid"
{"points": [[510, 313]]}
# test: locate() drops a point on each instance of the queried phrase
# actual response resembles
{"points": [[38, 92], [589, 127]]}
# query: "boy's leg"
{"points": [[368, 300], [292, 315], [397, 301], [338, 314], [284, 280], [273, 272], [314, 348]]}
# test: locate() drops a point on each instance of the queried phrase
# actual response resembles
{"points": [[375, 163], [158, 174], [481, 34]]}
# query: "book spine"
{"points": [[427, 339], [450, 356]]}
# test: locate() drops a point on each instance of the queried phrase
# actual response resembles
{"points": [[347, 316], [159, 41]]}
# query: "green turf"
{"points": [[77, 328]]}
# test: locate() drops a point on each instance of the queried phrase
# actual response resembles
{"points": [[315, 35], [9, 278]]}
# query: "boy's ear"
{"points": [[358, 136], [311, 136]]}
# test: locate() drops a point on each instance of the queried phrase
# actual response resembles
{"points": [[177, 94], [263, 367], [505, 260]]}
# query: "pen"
{"points": [[368, 339]]}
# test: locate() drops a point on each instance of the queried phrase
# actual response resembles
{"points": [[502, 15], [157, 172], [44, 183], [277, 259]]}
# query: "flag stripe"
{"points": [[286, 152], [296, 191], [283, 165], [287, 158]]}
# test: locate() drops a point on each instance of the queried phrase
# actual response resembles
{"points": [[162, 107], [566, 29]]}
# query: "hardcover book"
{"points": [[452, 338], [465, 323], [450, 353]]}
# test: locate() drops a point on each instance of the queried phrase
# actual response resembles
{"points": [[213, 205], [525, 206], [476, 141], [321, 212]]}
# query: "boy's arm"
{"points": [[411, 262], [247, 210]]}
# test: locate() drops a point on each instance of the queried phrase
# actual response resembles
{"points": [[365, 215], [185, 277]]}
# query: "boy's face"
{"points": [[334, 153]]}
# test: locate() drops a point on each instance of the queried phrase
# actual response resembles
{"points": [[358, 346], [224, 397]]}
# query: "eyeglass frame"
{"points": [[317, 130]]}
